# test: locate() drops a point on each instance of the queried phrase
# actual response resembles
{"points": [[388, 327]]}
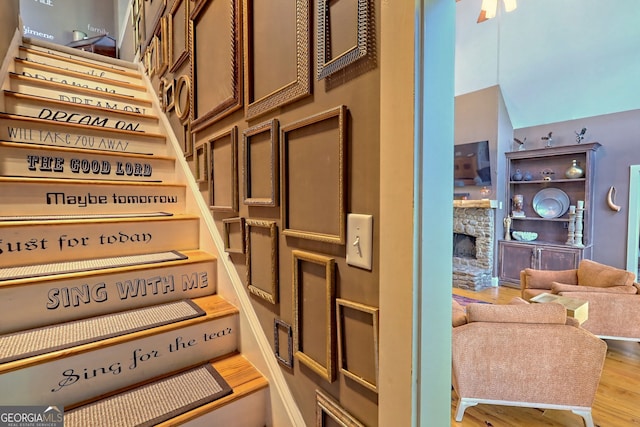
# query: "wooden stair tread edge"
{"points": [[214, 306], [29, 97], [194, 256], [98, 220], [94, 152], [29, 180], [242, 377], [17, 117], [131, 72], [70, 88], [78, 74]]}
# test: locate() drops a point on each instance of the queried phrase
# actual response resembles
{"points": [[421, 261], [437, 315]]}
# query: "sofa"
{"points": [[612, 294], [525, 355]]}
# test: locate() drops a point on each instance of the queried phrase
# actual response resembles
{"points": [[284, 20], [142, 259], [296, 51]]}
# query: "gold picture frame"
{"points": [[262, 258], [168, 94], [200, 153], [328, 407], [281, 92], [260, 164], [183, 97], [302, 171], [187, 143], [160, 39], [359, 323], [222, 95], [328, 62], [281, 325], [310, 352], [178, 25], [223, 159], [229, 225]]}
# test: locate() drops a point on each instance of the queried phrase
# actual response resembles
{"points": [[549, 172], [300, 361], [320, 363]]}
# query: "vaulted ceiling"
{"points": [[554, 60]]}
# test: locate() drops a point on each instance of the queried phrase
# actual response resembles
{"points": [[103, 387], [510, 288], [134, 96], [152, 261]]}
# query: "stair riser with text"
{"points": [[56, 197], [68, 380], [27, 243], [31, 303]]}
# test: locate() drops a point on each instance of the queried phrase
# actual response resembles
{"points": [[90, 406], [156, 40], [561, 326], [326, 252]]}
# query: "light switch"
{"points": [[360, 240]]}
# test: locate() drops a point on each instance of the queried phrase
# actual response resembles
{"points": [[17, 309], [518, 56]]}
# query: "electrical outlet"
{"points": [[360, 240]]}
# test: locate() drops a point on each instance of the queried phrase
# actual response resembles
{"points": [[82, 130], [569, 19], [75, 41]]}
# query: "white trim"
{"points": [[254, 344], [633, 229]]}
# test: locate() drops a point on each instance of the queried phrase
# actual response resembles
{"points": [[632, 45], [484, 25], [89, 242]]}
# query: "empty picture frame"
{"points": [[260, 164], [187, 141], [268, 87], [215, 49], [223, 158], [278, 327], [343, 34], [183, 97], [313, 177], [201, 166], [328, 408], [314, 312], [178, 34], [358, 342], [168, 94], [160, 38], [261, 239], [234, 235]]}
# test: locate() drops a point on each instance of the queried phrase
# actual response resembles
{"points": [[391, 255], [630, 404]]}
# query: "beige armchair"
{"points": [[525, 355], [612, 294]]}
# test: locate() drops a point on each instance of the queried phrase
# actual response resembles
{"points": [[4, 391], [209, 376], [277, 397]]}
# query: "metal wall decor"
{"points": [[277, 326], [329, 62], [223, 185], [261, 239], [217, 60], [178, 34], [282, 93], [314, 308], [260, 164]]}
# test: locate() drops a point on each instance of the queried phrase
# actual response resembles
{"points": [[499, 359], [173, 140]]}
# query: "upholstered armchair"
{"points": [[525, 355], [612, 294]]}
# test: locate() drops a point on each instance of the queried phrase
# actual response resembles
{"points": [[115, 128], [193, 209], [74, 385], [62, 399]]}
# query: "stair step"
{"points": [[31, 196], [46, 132], [71, 112], [104, 286], [74, 78], [27, 160], [86, 371], [41, 242], [248, 389], [77, 94], [80, 65]]}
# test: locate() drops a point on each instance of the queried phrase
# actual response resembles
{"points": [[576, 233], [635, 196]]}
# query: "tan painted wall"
{"points": [[9, 12]]}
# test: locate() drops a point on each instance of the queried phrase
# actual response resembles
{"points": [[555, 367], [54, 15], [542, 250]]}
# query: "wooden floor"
{"points": [[617, 402]]}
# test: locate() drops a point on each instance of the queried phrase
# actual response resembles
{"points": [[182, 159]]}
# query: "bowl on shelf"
{"points": [[524, 236]]}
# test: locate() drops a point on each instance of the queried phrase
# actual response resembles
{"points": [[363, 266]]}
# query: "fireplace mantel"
{"points": [[484, 203]]}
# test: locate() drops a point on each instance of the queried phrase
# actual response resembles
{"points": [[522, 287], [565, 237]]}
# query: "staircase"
{"points": [[108, 302]]}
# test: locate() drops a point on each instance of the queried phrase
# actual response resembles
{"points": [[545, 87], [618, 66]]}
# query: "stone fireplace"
{"points": [[473, 234]]}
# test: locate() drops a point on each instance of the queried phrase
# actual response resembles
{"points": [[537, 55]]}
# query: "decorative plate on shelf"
{"points": [[550, 203]]}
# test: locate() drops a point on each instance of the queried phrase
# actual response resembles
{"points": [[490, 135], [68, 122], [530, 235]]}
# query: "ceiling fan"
{"points": [[489, 8]]}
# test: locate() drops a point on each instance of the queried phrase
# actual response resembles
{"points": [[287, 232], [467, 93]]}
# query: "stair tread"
{"points": [[71, 88], [214, 307], [96, 152], [80, 75], [239, 374], [85, 182], [43, 99], [69, 219]]}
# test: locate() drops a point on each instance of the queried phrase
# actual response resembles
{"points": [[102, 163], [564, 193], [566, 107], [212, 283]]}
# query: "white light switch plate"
{"points": [[360, 240]]}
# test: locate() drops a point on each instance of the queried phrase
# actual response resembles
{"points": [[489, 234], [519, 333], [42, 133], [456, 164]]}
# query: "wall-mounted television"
{"points": [[471, 164]]}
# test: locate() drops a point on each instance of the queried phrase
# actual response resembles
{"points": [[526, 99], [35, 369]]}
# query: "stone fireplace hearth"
{"points": [[474, 218]]}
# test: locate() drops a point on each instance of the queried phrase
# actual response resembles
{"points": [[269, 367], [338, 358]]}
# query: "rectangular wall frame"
{"points": [[234, 236], [314, 312], [327, 407], [261, 238], [200, 160], [332, 32], [168, 94], [178, 34], [268, 87], [358, 342], [260, 164], [217, 59], [152, 13], [223, 159], [280, 325], [313, 176]]}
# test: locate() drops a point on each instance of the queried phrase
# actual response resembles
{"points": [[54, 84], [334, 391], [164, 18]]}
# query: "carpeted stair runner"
{"points": [[153, 403], [39, 270], [38, 341]]}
